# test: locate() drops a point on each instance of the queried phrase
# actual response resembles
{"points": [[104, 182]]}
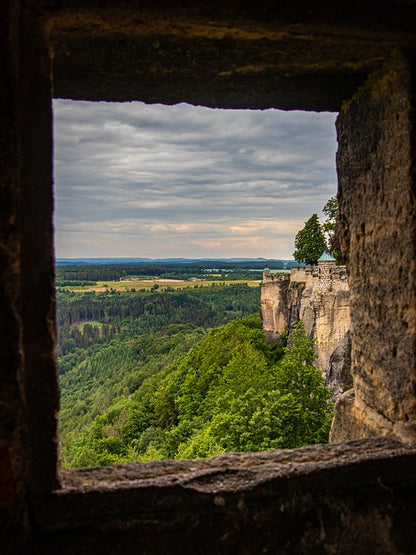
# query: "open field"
{"points": [[128, 285]]}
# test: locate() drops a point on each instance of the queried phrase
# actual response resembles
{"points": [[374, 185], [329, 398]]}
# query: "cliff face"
{"points": [[319, 296], [377, 191]]}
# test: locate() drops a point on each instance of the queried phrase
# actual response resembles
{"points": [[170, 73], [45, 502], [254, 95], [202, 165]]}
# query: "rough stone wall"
{"points": [[325, 276], [330, 324], [339, 377], [274, 298], [13, 425], [225, 53], [324, 311], [28, 385], [37, 255], [357, 497], [376, 168], [287, 502]]}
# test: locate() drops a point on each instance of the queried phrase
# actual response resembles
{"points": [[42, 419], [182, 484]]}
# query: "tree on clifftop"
{"points": [[331, 212], [310, 242], [331, 228]]}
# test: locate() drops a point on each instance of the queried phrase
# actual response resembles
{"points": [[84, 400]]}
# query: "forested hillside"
{"points": [[155, 375], [110, 342], [164, 389]]}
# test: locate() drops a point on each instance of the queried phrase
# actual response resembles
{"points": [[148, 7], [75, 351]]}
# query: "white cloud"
{"points": [[168, 181], [207, 244]]}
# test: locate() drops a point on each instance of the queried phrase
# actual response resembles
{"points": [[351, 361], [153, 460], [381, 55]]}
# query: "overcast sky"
{"points": [[135, 180]]}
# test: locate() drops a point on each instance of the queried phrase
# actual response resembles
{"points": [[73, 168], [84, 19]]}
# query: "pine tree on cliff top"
{"points": [[310, 242]]}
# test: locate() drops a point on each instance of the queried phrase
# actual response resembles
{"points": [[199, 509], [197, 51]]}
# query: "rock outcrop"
{"points": [[319, 296], [377, 230]]}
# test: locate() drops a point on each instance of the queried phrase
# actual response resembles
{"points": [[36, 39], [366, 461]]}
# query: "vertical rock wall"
{"points": [[13, 430], [275, 302], [28, 392], [324, 311], [377, 187]]}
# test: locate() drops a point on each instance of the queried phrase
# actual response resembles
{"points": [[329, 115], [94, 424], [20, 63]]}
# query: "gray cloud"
{"points": [[159, 181]]}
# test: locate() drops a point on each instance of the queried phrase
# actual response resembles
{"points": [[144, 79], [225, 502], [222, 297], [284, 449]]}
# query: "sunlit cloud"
{"points": [[207, 244], [249, 241], [163, 181]]}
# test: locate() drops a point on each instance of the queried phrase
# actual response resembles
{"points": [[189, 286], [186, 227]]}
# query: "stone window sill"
{"points": [[246, 484]]}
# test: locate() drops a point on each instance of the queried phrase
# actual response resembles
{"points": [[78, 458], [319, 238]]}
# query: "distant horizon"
{"points": [[169, 258], [173, 259], [187, 181]]}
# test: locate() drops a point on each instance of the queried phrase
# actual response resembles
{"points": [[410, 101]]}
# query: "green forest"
{"points": [[181, 374]]}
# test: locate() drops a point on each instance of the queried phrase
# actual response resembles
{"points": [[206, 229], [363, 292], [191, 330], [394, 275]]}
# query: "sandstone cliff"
{"points": [[319, 296]]}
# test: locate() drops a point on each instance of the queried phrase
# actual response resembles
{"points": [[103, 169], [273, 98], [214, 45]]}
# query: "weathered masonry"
{"points": [[357, 58]]}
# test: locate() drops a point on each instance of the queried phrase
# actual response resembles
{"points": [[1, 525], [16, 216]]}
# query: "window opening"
{"points": [[142, 184]]}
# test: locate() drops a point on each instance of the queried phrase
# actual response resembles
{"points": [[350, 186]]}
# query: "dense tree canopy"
{"points": [[110, 342], [232, 391], [310, 242]]}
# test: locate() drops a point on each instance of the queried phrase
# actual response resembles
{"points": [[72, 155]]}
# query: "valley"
{"points": [[156, 367]]}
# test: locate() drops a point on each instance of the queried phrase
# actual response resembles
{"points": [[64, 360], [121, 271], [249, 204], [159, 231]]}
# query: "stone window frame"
{"points": [[289, 495]]}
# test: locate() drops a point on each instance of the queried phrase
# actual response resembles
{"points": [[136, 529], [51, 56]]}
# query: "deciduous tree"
{"points": [[310, 242], [331, 227]]}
